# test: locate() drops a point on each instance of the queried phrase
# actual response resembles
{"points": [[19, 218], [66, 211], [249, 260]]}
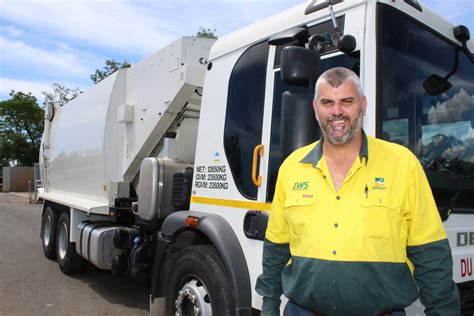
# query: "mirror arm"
{"points": [[335, 37], [468, 52], [455, 67], [333, 18]]}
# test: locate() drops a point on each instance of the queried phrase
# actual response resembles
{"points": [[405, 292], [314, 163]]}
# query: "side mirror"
{"points": [[347, 44], [435, 85], [299, 65], [462, 34]]}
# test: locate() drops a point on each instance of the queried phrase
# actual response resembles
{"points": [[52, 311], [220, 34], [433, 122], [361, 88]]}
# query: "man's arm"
{"points": [[428, 249], [276, 254], [275, 257], [434, 277]]}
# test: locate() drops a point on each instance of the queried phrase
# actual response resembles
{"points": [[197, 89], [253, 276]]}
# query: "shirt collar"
{"points": [[316, 153]]}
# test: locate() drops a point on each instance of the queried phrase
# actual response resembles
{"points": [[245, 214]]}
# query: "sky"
{"points": [[65, 41]]}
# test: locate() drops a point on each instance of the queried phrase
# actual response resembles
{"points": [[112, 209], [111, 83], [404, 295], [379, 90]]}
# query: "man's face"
{"points": [[339, 112]]}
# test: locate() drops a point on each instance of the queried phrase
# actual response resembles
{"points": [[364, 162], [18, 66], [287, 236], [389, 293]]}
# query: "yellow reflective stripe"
{"points": [[259, 206]]}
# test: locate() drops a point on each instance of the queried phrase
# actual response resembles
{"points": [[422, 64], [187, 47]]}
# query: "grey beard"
{"points": [[346, 138]]}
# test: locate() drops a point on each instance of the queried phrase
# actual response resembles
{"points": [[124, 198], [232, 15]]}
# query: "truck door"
{"points": [[243, 118], [271, 160], [253, 114]]}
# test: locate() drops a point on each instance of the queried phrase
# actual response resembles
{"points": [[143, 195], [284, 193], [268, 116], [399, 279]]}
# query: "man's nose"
{"points": [[336, 109]]}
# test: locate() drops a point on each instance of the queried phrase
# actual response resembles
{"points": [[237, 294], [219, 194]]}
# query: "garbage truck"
{"points": [[165, 172]]}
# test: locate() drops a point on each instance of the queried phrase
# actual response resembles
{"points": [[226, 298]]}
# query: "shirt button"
{"points": [[334, 252], [334, 308], [336, 225], [338, 197], [324, 177], [333, 282]]}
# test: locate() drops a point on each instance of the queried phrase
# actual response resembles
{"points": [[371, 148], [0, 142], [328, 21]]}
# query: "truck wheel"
{"points": [[69, 261], [198, 284], [49, 222]]}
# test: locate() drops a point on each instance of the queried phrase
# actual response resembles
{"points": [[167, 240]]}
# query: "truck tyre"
{"points": [[198, 284], [69, 261], [49, 223]]}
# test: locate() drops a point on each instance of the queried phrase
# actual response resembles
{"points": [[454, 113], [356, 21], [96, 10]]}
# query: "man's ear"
{"points": [[364, 105], [315, 110]]}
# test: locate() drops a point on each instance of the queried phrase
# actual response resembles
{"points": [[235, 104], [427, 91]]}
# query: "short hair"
{"points": [[337, 76]]}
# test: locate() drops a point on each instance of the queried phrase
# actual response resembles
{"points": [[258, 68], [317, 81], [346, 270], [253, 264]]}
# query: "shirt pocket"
{"points": [[299, 211], [379, 218]]}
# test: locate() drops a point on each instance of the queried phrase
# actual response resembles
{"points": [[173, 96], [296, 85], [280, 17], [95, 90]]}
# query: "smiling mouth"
{"points": [[337, 125]]}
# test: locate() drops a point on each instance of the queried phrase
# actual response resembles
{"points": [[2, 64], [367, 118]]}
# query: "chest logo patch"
{"points": [[379, 184], [300, 186]]}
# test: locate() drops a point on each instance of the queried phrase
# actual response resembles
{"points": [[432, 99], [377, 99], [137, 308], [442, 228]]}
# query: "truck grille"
{"points": [[466, 292]]}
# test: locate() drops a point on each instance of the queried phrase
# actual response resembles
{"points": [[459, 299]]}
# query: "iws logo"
{"points": [[298, 186]]}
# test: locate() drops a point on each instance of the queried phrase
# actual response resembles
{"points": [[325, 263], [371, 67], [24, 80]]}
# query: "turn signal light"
{"points": [[192, 221]]}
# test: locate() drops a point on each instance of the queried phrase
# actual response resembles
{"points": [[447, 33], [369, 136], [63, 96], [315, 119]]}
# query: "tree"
{"points": [[206, 33], [60, 95], [21, 126], [111, 66]]}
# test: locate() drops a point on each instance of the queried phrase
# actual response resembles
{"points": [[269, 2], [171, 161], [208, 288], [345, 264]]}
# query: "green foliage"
{"points": [[60, 95], [206, 33], [21, 127], [110, 67]]}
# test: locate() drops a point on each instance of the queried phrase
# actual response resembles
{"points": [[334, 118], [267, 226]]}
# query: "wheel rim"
{"points": [[193, 299], [63, 241], [47, 227]]}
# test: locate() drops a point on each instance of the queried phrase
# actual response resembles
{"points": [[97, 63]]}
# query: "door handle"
{"points": [[258, 151]]}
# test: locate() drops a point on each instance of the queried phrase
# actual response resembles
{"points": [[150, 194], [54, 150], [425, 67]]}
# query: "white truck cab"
{"points": [[166, 171]]}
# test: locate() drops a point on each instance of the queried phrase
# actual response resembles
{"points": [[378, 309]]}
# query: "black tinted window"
{"points": [[244, 115]]}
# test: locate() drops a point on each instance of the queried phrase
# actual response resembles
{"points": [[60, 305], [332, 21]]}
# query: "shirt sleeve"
{"points": [[428, 248], [276, 254]]}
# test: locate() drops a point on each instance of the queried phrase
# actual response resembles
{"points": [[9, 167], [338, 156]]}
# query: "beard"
{"points": [[349, 134]]}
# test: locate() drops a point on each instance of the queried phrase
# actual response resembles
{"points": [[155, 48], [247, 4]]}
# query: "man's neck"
{"points": [[340, 158], [340, 153]]}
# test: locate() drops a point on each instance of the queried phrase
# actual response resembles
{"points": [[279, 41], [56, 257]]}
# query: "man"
{"points": [[350, 218]]}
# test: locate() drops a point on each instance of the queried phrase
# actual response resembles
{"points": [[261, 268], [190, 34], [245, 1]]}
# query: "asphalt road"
{"points": [[30, 284]]}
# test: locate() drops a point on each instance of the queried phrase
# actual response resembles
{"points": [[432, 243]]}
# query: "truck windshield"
{"points": [[438, 129]]}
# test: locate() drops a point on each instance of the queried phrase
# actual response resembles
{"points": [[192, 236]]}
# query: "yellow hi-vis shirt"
{"points": [[347, 252]]}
